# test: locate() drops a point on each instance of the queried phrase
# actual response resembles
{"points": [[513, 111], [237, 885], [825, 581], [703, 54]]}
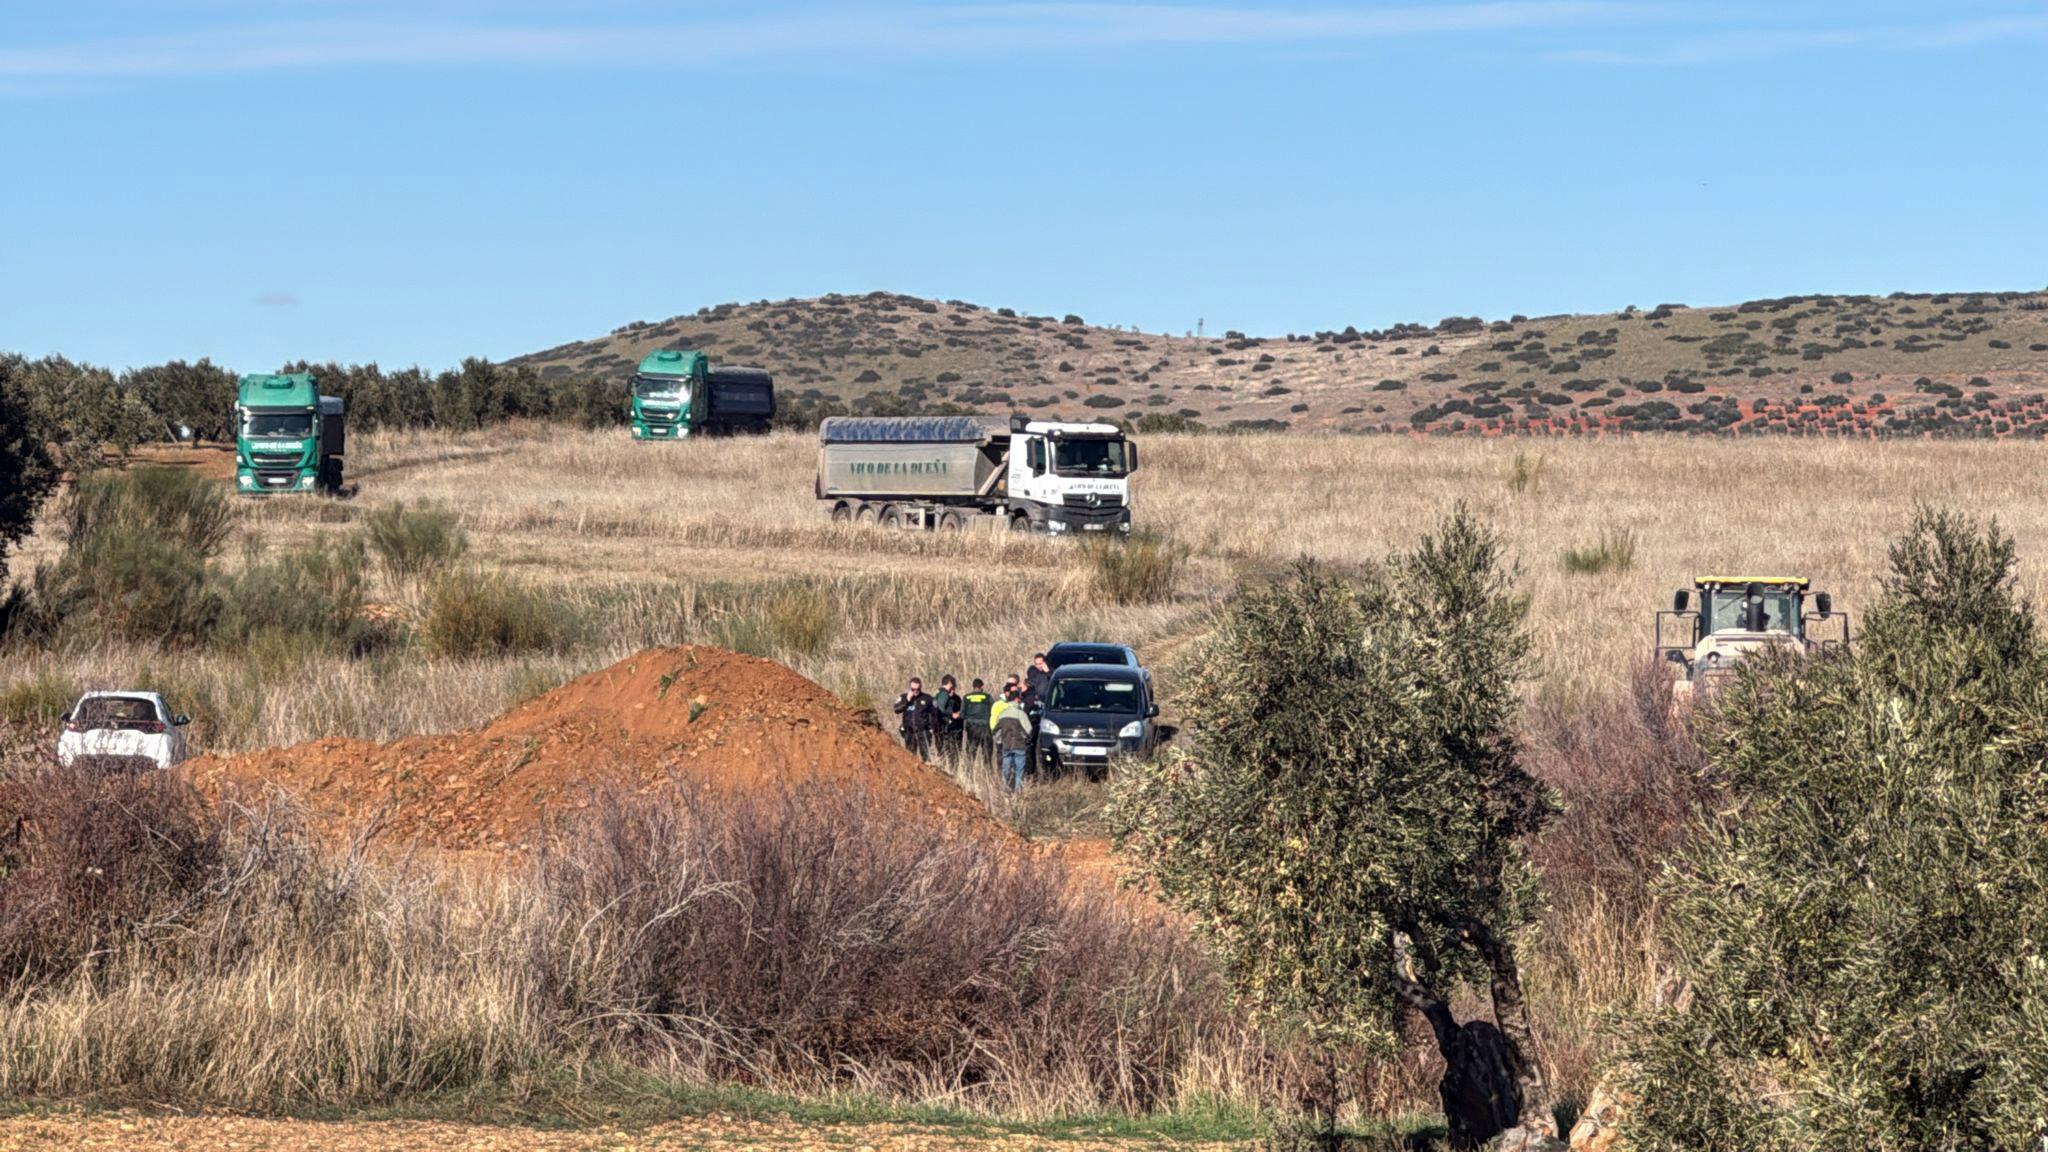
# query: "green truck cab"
{"points": [[676, 393], [288, 437]]}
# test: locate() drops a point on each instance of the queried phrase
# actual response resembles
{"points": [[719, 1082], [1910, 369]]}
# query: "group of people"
{"points": [[999, 727]]}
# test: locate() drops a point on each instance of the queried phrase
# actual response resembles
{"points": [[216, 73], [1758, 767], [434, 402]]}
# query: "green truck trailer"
{"points": [[677, 393], [288, 437]]}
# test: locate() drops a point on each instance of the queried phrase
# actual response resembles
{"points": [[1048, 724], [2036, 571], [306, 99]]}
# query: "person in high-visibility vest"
{"points": [[1011, 725]]}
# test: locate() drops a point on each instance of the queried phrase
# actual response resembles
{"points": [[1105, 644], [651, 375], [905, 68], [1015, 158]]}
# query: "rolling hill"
{"points": [[1956, 364]]}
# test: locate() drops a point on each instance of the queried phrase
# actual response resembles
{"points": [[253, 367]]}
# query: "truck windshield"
{"points": [[1089, 457], [659, 388], [295, 424], [1079, 695]]}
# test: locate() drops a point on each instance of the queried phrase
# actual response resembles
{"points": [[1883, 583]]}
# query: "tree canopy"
{"points": [[1863, 922], [1347, 821]]}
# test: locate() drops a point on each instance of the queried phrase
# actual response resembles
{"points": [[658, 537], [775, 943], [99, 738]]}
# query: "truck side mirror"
{"points": [[1825, 602], [180, 720], [1680, 599], [1131, 450], [1674, 656]]}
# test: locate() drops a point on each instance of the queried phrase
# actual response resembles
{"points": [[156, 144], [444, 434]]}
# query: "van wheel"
{"points": [[841, 513]]}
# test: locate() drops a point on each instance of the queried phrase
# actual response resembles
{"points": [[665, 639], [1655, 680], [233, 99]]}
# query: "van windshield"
{"points": [[1078, 695], [289, 424], [1089, 457]]}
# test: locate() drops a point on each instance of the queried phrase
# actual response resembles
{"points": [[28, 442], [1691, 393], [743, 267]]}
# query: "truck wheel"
{"points": [[1020, 523], [892, 517], [865, 514], [841, 513], [951, 522]]}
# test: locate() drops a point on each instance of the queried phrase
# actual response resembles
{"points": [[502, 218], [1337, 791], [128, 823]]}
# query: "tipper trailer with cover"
{"points": [[940, 471]]}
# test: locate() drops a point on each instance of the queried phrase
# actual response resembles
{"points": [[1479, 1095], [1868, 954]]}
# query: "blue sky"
{"points": [[416, 182]]}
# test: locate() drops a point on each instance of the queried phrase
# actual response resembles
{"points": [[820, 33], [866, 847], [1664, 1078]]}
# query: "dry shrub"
{"points": [[89, 860], [801, 619], [415, 543], [471, 614], [818, 939], [1141, 569], [1631, 779]]}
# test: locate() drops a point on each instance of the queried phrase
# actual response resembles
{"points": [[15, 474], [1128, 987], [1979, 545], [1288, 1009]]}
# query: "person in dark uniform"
{"points": [[947, 701], [975, 705], [920, 719]]}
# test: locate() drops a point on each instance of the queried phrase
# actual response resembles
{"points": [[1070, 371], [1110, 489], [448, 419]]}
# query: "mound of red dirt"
{"points": [[696, 716]]}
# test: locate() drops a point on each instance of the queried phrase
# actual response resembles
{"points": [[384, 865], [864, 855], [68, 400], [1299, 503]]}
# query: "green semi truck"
{"points": [[677, 393], [288, 437]]}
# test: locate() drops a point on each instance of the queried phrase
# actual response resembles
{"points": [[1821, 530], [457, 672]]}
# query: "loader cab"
{"points": [[1721, 619]]}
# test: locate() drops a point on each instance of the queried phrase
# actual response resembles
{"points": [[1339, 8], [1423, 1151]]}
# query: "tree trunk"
{"points": [[1490, 1086], [1511, 1012]]}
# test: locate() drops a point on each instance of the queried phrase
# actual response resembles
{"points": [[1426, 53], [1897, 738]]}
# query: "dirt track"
{"points": [[210, 1133]]}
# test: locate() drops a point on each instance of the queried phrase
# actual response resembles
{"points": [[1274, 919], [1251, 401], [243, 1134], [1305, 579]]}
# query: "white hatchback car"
{"points": [[122, 730]]}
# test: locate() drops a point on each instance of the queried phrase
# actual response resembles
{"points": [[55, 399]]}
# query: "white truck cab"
{"points": [[1070, 477]]}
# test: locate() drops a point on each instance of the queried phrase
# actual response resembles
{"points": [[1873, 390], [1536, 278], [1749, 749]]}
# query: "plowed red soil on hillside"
{"points": [[695, 716]]}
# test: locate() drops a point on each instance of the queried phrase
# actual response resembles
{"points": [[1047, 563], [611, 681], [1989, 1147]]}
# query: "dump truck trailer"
{"points": [[677, 393], [288, 437], [944, 471]]}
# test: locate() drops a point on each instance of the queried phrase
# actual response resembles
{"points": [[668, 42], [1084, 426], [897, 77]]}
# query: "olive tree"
{"points": [[197, 396], [1864, 924], [26, 472], [1347, 822]]}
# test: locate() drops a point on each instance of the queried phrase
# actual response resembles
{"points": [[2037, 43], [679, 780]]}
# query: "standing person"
{"points": [[976, 707], [948, 704], [1013, 739], [1037, 683], [920, 717]]}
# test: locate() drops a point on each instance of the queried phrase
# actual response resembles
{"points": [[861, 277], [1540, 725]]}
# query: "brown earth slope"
{"points": [[698, 716], [1962, 364]]}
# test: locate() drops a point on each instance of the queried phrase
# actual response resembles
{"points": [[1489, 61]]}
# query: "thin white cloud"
{"points": [[1769, 43], [400, 40], [274, 299]]}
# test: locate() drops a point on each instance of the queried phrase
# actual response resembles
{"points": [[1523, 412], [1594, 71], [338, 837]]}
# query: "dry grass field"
{"points": [[628, 545], [658, 544]]}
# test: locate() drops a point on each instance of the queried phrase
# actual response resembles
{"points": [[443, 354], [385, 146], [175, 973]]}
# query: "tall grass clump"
{"points": [[1143, 568], [39, 699], [800, 618], [1614, 552], [1525, 473], [415, 543], [470, 613]]}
